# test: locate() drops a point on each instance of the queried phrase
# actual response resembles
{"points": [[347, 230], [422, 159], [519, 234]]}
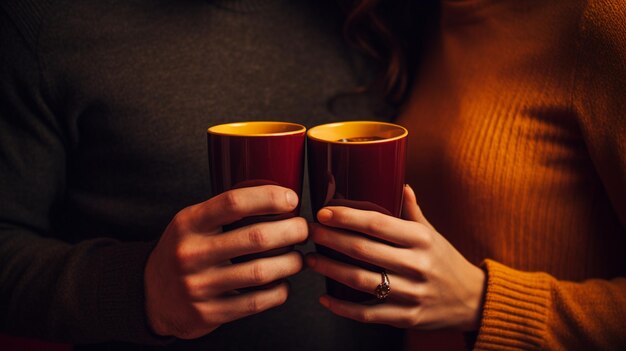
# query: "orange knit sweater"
{"points": [[518, 156]]}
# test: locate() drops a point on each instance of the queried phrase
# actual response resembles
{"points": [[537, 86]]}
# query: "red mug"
{"points": [[359, 164], [246, 154]]}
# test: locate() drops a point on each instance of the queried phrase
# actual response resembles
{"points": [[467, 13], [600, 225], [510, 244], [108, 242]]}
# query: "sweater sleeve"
{"points": [[51, 288], [535, 311]]}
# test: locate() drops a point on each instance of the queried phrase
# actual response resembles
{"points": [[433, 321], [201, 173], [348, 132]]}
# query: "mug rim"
{"points": [[222, 129], [315, 129]]}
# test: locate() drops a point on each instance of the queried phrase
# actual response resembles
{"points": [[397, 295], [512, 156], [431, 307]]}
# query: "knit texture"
{"points": [[104, 107], [518, 155], [515, 310]]}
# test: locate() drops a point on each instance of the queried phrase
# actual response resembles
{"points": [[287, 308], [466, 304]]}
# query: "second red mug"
{"points": [[359, 164]]}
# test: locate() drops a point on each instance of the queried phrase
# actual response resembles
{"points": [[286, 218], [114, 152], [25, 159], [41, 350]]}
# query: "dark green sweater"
{"points": [[104, 107]]}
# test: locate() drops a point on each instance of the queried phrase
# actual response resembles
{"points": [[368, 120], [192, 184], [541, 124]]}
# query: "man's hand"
{"points": [[190, 284]]}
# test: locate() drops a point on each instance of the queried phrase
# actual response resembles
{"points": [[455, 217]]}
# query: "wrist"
{"points": [[474, 299]]}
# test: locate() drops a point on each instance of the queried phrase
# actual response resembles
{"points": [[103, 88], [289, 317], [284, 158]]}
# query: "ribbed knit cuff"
{"points": [[121, 304], [515, 310]]}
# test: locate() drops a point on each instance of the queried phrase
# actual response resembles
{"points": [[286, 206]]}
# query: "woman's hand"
{"points": [[432, 285], [190, 285]]}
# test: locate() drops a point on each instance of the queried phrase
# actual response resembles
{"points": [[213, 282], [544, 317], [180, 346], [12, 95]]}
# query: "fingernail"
{"points": [[324, 301], [324, 215], [311, 261], [292, 198]]}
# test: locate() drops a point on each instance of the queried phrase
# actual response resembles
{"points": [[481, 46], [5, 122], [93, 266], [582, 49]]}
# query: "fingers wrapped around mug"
{"points": [[375, 238], [425, 282], [402, 289], [192, 286]]}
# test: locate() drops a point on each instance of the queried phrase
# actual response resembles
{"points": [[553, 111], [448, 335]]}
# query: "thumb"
{"points": [[410, 209]]}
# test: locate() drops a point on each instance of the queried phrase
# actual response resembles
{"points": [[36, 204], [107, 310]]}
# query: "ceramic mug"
{"points": [[360, 164], [246, 154]]}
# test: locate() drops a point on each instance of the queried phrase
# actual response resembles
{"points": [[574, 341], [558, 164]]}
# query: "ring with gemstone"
{"points": [[383, 289]]}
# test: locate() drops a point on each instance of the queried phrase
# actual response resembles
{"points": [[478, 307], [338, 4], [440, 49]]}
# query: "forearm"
{"points": [[89, 292]]}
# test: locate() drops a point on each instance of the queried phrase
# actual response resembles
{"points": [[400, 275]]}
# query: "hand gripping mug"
{"points": [[246, 154], [359, 164]]}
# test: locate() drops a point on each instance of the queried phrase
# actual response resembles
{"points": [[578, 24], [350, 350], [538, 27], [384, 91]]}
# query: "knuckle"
{"points": [[182, 256], [232, 201], [376, 223], [258, 274], [426, 236], [210, 247], [359, 249], [186, 257], [358, 280], [277, 197], [256, 237], [406, 321], [253, 305], [179, 223], [425, 265], [408, 267], [364, 316], [189, 286]]}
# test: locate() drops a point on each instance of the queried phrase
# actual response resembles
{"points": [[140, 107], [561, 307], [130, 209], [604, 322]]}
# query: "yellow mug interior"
{"points": [[357, 132], [257, 128]]}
